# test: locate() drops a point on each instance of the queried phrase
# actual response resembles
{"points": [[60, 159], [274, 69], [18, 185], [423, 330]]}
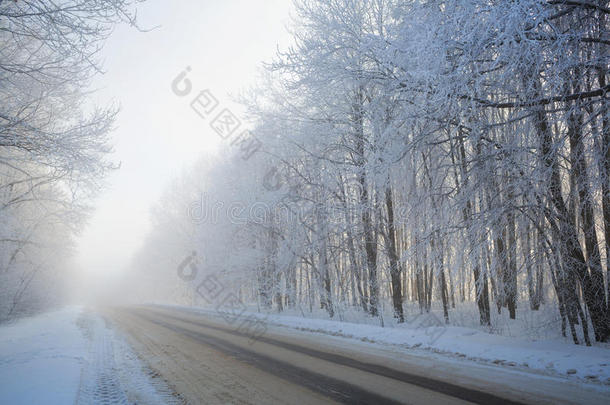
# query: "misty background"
{"points": [[157, 135]]}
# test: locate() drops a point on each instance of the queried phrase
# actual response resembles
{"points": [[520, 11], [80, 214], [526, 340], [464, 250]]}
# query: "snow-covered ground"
{"points": [[71, 356], [427, 333]]}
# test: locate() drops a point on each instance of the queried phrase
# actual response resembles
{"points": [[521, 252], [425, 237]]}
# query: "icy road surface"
{"points": [[206, 360]]}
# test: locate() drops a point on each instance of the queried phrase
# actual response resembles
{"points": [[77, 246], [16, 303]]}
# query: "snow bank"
{"points": [[592, 363], [428, 332], [41, 359], [72, 356], [582, 361]]}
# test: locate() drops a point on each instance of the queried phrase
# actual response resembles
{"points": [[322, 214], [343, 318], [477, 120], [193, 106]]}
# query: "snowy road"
{"points": [[207, 361]]}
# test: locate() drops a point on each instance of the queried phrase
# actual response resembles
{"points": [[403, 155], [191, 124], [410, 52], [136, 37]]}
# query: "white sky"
{"points": [[158, 135]]}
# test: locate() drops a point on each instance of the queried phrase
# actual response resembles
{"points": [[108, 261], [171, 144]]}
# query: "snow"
{"points": [[42, 359], [470, 343], [71, 356], [427, 333]]}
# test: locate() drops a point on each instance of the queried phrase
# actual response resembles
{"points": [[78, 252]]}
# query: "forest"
{"points": [[401, 157], [54, 142], [414, 156]]}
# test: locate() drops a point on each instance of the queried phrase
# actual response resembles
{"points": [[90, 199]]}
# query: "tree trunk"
{"points": [[393, 257], [571, 250]]}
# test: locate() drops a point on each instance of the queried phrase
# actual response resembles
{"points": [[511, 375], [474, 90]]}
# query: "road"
{"points": [[206, 361]]}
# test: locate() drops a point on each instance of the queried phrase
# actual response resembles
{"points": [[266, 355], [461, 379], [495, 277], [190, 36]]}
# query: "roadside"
{"points": [[427, 335], [73, 356]]}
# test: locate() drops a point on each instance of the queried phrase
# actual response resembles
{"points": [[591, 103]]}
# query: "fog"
{"points": [[157, 135], [354, 160]]}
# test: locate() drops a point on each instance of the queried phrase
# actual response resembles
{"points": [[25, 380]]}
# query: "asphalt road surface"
{"points": [[206, 361]]}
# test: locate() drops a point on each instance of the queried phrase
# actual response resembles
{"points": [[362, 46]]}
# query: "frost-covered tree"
{"points": [[431, 153], [54, 144]]}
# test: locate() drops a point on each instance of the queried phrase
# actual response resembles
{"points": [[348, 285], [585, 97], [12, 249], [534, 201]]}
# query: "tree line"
{"points": [[54, 142], [433, 152]]}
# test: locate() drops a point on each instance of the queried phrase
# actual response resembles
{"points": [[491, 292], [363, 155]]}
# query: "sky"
{"points": [[157, 134]]}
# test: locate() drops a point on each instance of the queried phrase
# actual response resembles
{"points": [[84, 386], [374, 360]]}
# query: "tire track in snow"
{"points": [[112, 373]]}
